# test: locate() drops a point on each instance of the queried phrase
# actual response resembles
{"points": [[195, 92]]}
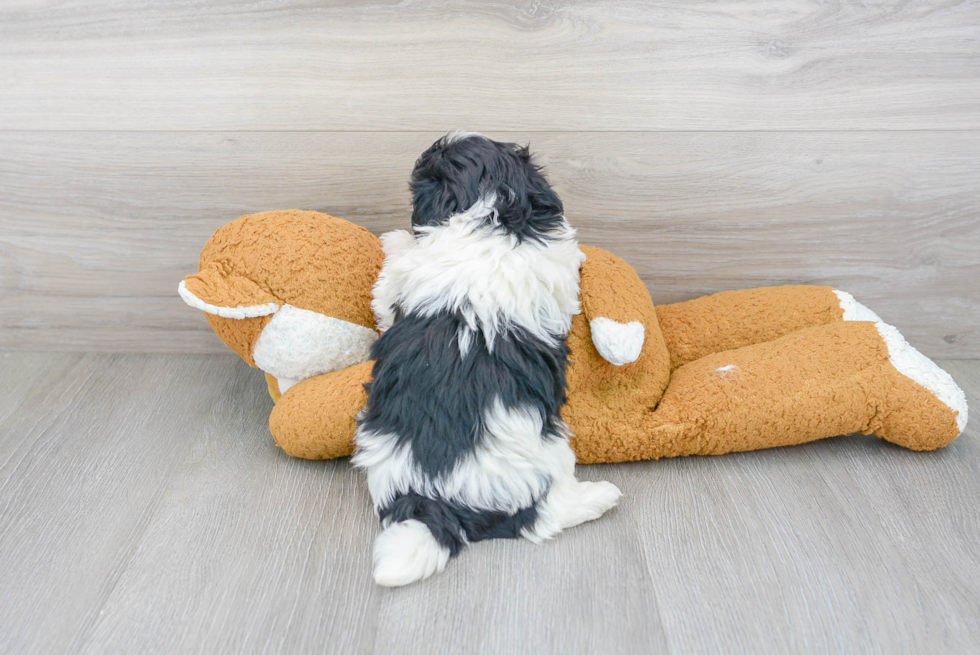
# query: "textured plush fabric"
{"points": [[735, 371], [618, 343], [315, 419], [732, 319], [302, 258], [813, 383], [239, 334], [299, 343]]}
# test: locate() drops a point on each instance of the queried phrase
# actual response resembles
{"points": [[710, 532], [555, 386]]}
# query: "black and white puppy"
{"points": [[462, 437]]}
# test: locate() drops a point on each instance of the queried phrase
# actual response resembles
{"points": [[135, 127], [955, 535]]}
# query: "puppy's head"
{"points": [[463, 169]]}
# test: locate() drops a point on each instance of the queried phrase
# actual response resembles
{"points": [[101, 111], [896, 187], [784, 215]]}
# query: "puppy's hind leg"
{"points": [[407, 551], [420, 535], [570, 502]]}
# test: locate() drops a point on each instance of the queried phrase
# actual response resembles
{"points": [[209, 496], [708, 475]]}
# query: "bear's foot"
{"points": [[923, 407]]}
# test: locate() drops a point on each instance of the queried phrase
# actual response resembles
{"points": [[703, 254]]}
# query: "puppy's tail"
{"points": [[420, 536]]}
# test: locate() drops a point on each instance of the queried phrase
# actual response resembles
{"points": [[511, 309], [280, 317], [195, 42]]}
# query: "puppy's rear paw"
{"points": [[598, 498], [406, 552]]}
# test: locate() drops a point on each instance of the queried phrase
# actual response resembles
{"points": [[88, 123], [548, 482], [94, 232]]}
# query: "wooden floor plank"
{"points": [[745, 562], [848, 545], [21, 372], [515, 65], [144, 508], [82, 463], [92, 245], [249, 551], [928, 507], [587, 591]]}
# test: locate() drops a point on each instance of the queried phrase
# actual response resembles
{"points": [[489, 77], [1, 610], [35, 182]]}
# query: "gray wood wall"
{"points": [[714, 145]]}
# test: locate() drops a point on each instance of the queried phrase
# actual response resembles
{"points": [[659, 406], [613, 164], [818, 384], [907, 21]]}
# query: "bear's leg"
{"points": [[315, 419], [733, 319], [822, 381]]}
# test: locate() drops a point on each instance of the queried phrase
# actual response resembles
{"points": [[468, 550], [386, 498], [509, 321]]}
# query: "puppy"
{"points": [[462, 437]]}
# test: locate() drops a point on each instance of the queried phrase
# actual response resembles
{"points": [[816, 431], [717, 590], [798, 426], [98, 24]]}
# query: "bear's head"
{"points": [[289, 291]]}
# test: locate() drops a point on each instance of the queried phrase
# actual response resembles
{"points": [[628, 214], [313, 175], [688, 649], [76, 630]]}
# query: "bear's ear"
{"points": [[215, 291]]}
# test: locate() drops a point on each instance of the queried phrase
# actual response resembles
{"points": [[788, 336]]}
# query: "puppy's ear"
{"points": [[528, 203], [445, 181], [434, 200]]}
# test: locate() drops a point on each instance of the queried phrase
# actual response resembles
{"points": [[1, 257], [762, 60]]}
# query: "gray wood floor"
{"points": [[144, 508]]}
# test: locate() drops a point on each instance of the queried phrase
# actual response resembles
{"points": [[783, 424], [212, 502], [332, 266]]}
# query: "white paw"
{"points": [[618, 343], [592, 500], [396, 241], [570, 503], [406, 552], [598, 498], [909, 361]]}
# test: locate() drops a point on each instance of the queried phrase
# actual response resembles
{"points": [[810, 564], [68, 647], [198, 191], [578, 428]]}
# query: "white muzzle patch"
{"points": [[298, 344]]}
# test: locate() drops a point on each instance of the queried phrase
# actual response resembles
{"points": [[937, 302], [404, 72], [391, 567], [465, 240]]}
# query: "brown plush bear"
{"points": [[290, 292]]}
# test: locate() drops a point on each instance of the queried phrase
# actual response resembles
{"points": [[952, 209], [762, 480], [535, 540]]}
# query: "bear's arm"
{"points": [[315, 419], [616, 303]]}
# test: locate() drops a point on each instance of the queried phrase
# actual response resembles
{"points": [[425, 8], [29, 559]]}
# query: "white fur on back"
{"points": [[385, 294], [508, 471], [473, 266]]}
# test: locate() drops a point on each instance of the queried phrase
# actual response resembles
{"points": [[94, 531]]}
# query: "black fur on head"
{"points": [[461, 168]]}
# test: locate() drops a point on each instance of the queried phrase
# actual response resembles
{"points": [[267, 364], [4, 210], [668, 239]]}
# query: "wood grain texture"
{"points": [[524, 65], [96, 229], [83, 461], [849, 545], [587, 591], [20, 372], [143, 508], [249, 551]]}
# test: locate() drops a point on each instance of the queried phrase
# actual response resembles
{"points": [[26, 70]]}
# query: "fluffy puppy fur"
{"points": [[462, 437]]}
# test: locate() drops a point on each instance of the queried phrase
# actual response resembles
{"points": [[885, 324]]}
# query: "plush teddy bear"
{"points": [[290, 292]]}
